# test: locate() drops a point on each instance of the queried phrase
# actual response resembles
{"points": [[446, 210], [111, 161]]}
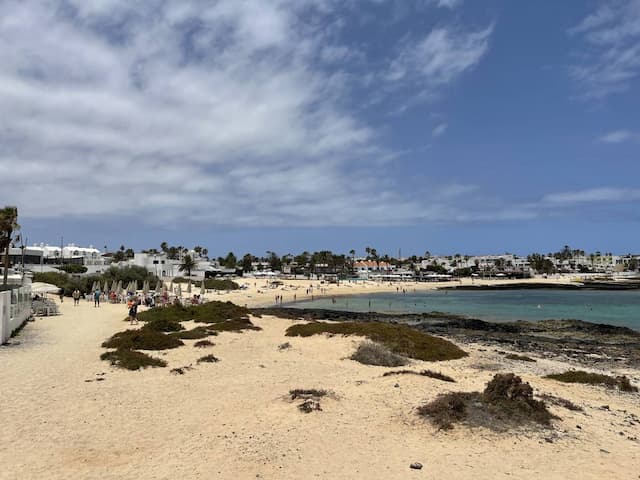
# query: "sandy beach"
{"points": [[262, 293], [67, 414]]}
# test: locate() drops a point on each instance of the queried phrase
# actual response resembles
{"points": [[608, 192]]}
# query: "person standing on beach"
{"points": [[96, 297], [76, 297], [133, 313]]}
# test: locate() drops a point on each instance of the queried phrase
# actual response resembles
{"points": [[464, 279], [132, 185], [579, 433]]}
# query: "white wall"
{"points": [[12, 316]]}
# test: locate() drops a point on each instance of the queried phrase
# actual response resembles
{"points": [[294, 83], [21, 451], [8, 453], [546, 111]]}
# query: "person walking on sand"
{"points": [[133, 313], [61, 295], [96, 297], [76, 297]]}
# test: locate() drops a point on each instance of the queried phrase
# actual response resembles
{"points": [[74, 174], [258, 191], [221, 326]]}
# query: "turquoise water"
{"points": [[612, 307]]}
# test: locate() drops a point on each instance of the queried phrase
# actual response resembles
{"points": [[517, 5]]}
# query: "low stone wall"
{"points": [[15, 309]]}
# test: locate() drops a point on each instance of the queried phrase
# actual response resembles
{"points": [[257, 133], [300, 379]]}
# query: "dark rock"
{"points": [[416, 466]]}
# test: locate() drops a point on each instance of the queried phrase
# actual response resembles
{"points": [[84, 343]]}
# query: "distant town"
{"points": [[172, 261]]}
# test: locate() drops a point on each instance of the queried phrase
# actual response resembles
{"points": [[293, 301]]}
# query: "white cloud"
{"points": [[197, 110], [612, 60], [439, 130], [439, 58], [593, 195], [618, 136]]}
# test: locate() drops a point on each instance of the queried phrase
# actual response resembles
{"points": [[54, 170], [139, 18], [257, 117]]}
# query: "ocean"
{"points": [[620, 308]]}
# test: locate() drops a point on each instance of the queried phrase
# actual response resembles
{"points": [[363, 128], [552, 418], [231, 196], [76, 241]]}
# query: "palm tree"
{"points": [[187, 264], [8, 224]]}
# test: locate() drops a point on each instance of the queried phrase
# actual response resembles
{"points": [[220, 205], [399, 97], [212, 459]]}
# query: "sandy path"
{"points": [[232, 419]]}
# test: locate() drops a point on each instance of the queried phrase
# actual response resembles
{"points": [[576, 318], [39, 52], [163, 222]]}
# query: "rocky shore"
{"points": [[586, 343]]}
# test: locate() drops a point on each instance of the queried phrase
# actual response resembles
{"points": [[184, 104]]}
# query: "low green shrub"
{"points": [[306, 393], [193, 334], [132, 360], [236, 325], [400, 339], [209, 312], [370, 353], [73, 268], [208, 359], [203, 344], [579, 376], [163, 325], [520, 358], [506, 403], [142, 340], [423, 373]]}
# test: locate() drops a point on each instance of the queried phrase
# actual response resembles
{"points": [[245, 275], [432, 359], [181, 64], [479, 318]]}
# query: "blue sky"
{"points": [[289, 125]]}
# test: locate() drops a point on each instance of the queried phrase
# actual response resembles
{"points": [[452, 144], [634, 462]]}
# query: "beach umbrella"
{"points": [[114, 285], [93, 287], [106, 286], [119, 286], [41, 287], [203, 288], [179, 291], [145, 288], [159, 286], [171, 286], [189, 287]]}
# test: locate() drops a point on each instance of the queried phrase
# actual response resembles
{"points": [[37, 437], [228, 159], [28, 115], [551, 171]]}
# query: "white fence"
{"points": [[15, 309]]}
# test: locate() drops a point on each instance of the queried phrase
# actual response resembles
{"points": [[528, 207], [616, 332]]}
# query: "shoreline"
{"points": [[71, 415]]}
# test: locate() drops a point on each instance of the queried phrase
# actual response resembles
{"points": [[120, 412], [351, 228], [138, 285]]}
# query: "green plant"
{"points": [[306, 393], [521, 358], [163, 325], [400, 339], [579, 376], [193, 334], [209, 312], [208, 359], [423, 373], [142, 340], [73, 268], [203, 344], [132, 360], [506, 402], [370, 353]]}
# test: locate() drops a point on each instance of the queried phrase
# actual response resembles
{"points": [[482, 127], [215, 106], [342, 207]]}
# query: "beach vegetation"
{"points": [[306, 393], [142, 339], [73, 268], [424, 373], [309, 406], [561, 402], [209, 312], [68, 283], [208, 359], [399, 339], [371, 353], [507, 402], [311, 398], [284, 346], [520, 358], [163, 325], [622, 383], [131, 360], [203, 344], [193, 334]]}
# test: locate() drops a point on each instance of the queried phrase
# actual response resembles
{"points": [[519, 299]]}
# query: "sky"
{"points": [[449, 126]]}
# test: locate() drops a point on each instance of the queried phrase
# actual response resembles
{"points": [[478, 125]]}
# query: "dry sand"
{"points": [[233, 419]]}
